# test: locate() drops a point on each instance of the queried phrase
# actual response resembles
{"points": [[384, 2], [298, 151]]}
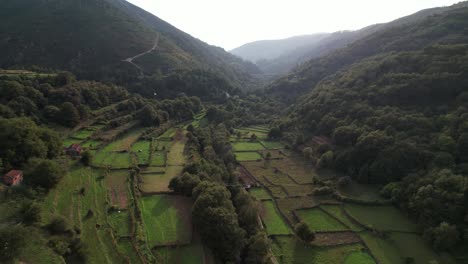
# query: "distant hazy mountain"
{"points": [[278, 57], [92, 38]]}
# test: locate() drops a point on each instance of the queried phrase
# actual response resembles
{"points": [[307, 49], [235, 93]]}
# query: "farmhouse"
{"points": [[13, 177], [74, 150]]}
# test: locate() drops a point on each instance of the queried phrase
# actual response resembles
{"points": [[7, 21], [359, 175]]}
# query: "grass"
{"points": [[247, 146], [156, 182], [339, 213], [68, 141], [298, 168], [168, 133], [190, 254], [167, 219], [120, 223], [176, 156], [158, 158], [117, 186], [383, 218], [412, 245], [384, 250], [365, 192], [125, 142], [319, 221], [275, 225], [359, 257], [142, 150], [289, 250], [272, 144], [260, 193], [247, 156], [277, 192], [83, 133], [65, 200], [91, 144], [288, 205]]}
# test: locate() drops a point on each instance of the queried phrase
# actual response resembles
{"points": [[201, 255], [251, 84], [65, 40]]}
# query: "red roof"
{"points": [[75, 146], [13, 173]]}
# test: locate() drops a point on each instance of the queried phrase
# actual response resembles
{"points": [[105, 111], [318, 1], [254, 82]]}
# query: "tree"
{"points": [[303, 232], [258, 248], [30, 213], [275, 133], [184, 184], [86, 158], [58, 225], [44, 173], [443, 237], [69, 115], [149, 116], [12, 242]]}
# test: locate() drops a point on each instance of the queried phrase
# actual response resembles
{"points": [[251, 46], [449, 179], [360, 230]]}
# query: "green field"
{"points": [[384, 218], [142, 150], [247, 146], [91, 144], [68, 141], [384, 250], [275, 225], [190, 254], [83, 133], [364, 192], [167, 219], [320, 221], [272, 144], [158, 158], [168, 133], [119, 221], [260, 193], [114, 160], [290, 250], [339, 213], [247, 156], [359, 257]]}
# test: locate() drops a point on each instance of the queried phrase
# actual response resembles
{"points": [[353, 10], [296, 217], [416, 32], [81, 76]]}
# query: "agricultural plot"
{"points": [[319, 221], [120, 223], [142, 151], [167, 219], [117, 187], [176, 156], [158, 183], [247, 156], [384, 250], [288, 205], [338, 212], [272, 144], [68, 141], [114, 160], [125, 142], [296, 167], [67, 201], [277, 191], [364, 192], [275, 225], [260, 193], [247, 146], [153, 170], [91, 144], [246, 133], [83, 133], [168, 134], [189, 254], [382, 218], [298, 190], [274, 153], [359, 257], [289, 250], [158, 159]]}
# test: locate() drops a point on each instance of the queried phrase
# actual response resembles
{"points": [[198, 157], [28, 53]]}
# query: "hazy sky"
{"points": [[229, 24]]}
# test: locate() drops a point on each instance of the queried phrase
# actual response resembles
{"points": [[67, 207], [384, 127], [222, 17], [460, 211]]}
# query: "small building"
{"points": [[74, 150], [13, 177]]}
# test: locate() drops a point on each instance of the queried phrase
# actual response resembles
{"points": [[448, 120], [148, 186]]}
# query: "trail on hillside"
{"points": [[130, 60]]}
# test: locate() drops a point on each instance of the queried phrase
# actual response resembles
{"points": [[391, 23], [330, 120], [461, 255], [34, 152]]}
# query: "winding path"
{"points": [[130, 60]]}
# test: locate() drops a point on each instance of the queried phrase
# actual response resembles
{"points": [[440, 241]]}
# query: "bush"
{"points": [[303, 232], [323, 191]]}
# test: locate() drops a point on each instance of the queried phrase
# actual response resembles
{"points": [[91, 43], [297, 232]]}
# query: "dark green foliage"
{"points": [[184, 184], [443, 237], [21, 139], [86, 157], [58, 225], [303, 232], [44, 173], [258, 248], [12, 242], [149, 116], [68, 115], [275, 133], [30, 213]]}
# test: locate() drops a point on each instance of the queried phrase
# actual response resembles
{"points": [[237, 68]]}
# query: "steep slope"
{"points": [[410, 33], [272, 49], [92, 38]]}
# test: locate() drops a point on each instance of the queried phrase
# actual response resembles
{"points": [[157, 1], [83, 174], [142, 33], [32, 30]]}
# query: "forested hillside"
{"points": [[411, 33], [92, 38]]}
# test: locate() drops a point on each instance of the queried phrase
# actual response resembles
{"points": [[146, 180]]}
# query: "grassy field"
{"points": [[167, 219], [66, 200], [362, 191], [320, 221], [275, 225], [156, 182], [260, 193], [277, 191], [83, 133], [91, 144], [339, 213], [300, 170], [272, 144], [247, 156], [142, 150], [190, 254], [119, 222], [384, 218], [68, 141], [125, 142], [359, 257], [384, 250], [176, 157], [247, 146], [289, 250], [158, 158], [117, 187], [168, 133], [288, 205]]}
